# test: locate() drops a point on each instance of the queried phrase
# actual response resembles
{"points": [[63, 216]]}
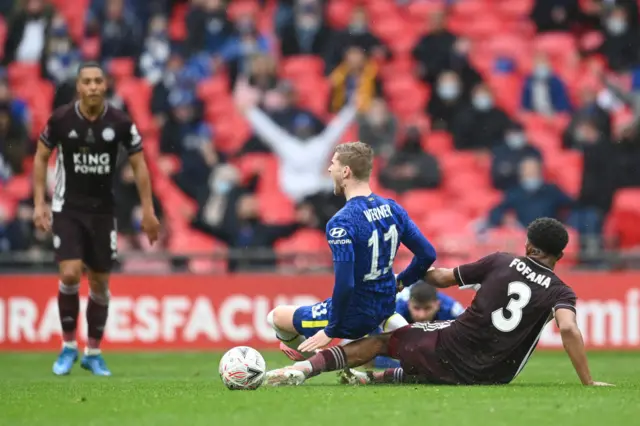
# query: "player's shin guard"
{"points": [[97, 313], [68, 309], [331, 359], [289, 339]]}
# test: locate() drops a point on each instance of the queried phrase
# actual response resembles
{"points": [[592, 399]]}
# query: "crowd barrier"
{"points": [[196, 312]]}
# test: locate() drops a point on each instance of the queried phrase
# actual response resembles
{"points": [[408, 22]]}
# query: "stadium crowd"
{"points": [[484, 114]]}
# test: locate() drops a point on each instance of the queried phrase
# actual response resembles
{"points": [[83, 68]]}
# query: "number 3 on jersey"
{"points": [[374, 244], [515, 307]]}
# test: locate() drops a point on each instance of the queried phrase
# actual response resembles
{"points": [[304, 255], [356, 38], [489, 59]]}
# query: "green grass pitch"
{"points": [[184, 389]]}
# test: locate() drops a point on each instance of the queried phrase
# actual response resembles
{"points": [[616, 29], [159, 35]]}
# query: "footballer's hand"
{"points": [[600, 384], [42, 217], [151, 226], [317, 341]]}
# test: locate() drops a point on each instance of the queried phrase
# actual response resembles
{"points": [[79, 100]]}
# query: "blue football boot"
{"points": [[95, 364], [68, 356]]}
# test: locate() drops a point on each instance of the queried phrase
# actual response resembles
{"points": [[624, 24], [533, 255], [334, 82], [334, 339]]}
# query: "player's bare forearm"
{"points": [[440, 277], [143, 181], [40, 164], [574, 345]]}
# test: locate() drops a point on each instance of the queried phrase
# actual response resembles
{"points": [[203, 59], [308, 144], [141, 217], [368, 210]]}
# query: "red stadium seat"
{"points": [[18, 188], [239, 8], [438, 143], [339, 13], [177, 24], [419, 203], [275, 207], [121, 68], [20, 73], [213, 89], [303, 65], [625, 213], [8, 207], [556, 45]]}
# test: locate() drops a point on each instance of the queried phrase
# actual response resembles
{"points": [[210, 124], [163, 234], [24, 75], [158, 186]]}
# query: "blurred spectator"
{"points": [[307, 34], [303, 156], [157, 50], [280, 105], [14, 142], [61, 57], [508, 156], [598, 180], [245, 44], [173, 79], [480, 125], [357, 34], [19, 108], [621, 46], [283, 16], [119, 32], [410, 167], [19, 234], [447, 99], [128, 213], [555, 15], [192, 141], [378, 127], [355, 75], [459, 63], [588, 110], [240, 228], [544, 92], [138, 11], [28, 32], [532, 198], [433, 50], [262, 73], [209, 26], [628, 157]]}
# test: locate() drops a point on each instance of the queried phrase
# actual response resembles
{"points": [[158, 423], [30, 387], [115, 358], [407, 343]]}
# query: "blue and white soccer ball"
{"points": [[242, 368]]}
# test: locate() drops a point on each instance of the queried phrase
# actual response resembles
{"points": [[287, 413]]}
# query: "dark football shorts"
{"points": [[89, 237], [416, 347]]}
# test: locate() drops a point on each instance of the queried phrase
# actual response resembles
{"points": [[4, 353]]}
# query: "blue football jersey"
{"points": [[450, 308], [364, 237]]}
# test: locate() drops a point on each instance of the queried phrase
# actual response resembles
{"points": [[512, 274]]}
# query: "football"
{"points": [[242, 368]]}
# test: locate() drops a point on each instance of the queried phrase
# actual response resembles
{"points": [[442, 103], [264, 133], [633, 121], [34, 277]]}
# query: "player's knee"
{"points": [[70, 275], [281, 317]]}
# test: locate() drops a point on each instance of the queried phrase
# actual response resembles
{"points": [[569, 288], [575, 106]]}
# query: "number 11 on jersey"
{"points": [[374, 244]]}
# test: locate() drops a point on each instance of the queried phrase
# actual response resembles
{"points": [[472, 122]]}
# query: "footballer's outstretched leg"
{"points": [[68, 309], [335, 358], [97, 313], [282, 320], [388, 376]]}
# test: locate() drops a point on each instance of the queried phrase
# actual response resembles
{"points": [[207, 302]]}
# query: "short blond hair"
{"points": [[358, 156]]}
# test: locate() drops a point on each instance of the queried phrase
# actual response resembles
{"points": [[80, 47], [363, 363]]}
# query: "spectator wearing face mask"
{"points": [[589, 109], [357, 34], [209, 27], [621, 44], [480, 125], [508, 156], [531, 198], [307, 34], [355, 76], [246, 43], [433, 50], [411, 167], [378, 127], [61, 57], [543, 91], [446, 101]]}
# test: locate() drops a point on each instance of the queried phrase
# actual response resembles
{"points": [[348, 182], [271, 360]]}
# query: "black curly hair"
{"points": [[89, 64], [549, 235]]}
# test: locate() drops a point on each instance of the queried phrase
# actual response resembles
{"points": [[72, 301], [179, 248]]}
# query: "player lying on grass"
{"points": [[490, 343], [364, 237], [420, 303]]}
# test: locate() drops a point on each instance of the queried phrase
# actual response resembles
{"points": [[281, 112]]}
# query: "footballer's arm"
{"points": [[441, 277], [41, 215], [574, 345], [150, 224]]}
